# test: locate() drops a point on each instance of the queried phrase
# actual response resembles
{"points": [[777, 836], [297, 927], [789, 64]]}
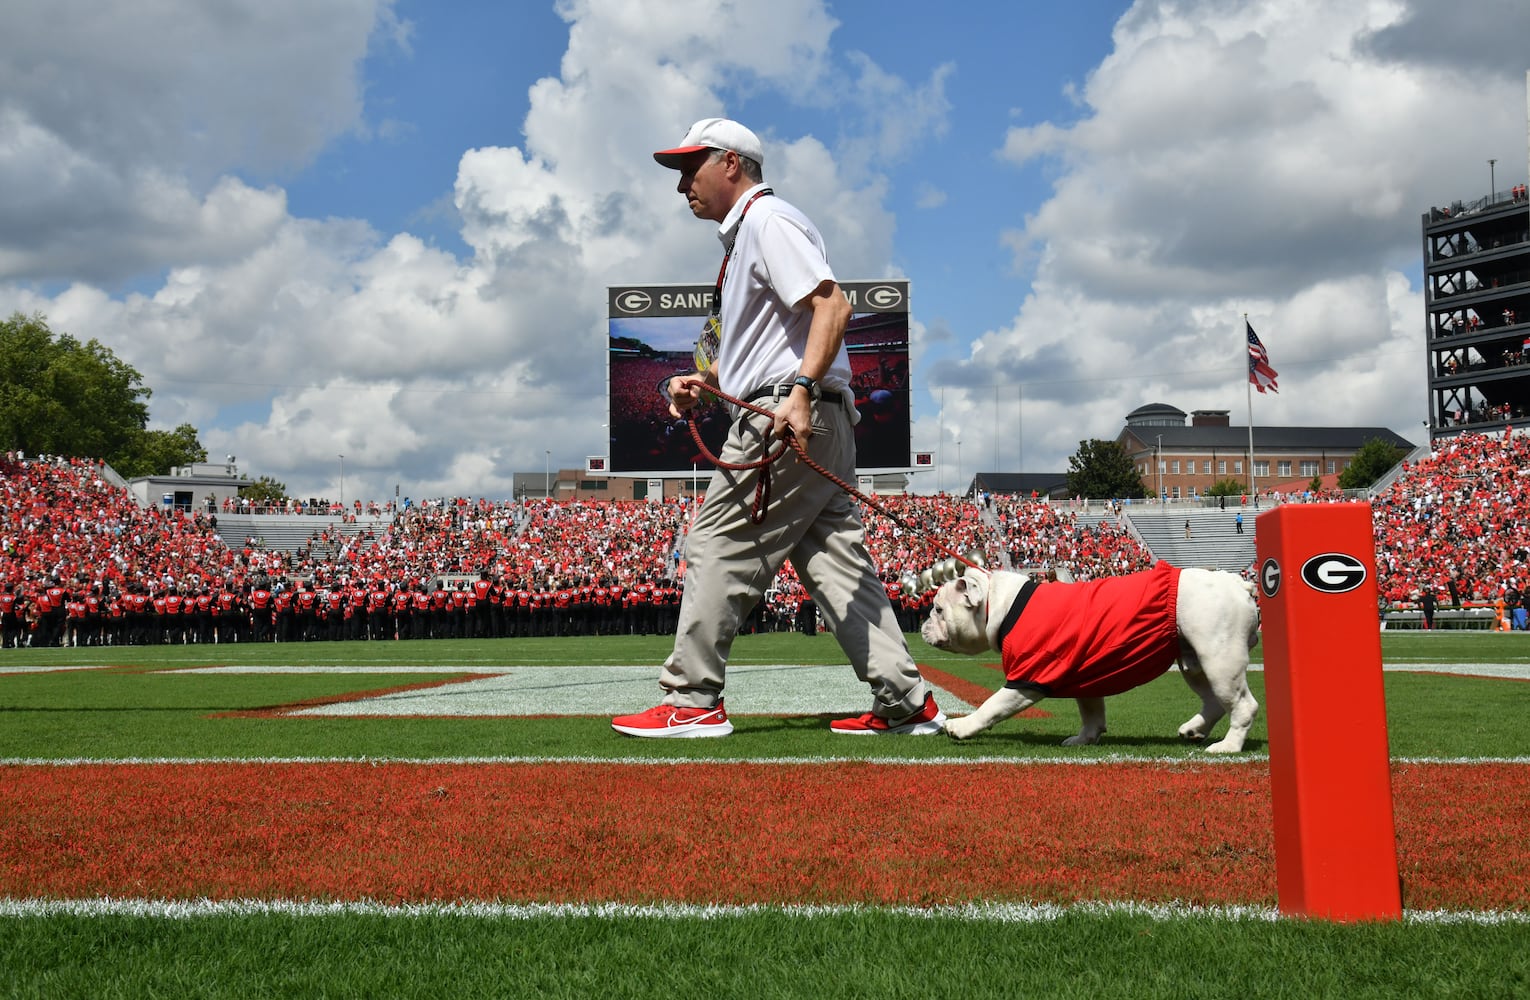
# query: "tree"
{"points": [[61, 397], [1102, 470], [154, 453], [264, 490], [1374, 460], [1227, 488]]}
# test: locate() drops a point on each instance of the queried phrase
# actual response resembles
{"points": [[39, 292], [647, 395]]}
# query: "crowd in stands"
{"points": [[1452, 524], [82, 563], [70, 542], [313, 508], [1484, 413], [1050, 538], [642, 431]]}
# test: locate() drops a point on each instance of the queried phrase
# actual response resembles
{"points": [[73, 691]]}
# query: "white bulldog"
{"points": [[1090, 640]]}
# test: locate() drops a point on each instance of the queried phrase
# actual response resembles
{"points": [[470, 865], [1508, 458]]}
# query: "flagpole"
{"points": [[1248, 389]]}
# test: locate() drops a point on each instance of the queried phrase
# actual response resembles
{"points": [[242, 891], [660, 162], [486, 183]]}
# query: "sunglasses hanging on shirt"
{"points": [[709, 344]]}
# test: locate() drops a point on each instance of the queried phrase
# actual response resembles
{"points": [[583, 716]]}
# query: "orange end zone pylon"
{"points": [[1330, 771]]}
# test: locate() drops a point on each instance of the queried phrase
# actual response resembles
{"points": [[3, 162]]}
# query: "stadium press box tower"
{"points": [[1477, 304]]}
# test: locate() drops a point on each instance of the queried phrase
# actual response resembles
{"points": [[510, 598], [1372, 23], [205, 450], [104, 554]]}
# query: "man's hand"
{"points": [[684, 394], [796, 415]]}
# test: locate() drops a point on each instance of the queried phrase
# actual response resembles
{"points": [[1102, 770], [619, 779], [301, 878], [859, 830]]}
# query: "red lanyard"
{"points": [[728, 253]]}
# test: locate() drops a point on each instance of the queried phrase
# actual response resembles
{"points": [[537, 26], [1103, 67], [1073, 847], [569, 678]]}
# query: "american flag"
{"points": [[1259, 371]]}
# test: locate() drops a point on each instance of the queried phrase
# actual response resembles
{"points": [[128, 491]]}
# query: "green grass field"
{"points": [[125, 711], [130, 710]]}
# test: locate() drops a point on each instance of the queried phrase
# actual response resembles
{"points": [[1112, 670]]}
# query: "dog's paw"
{"points": [[1225, 746], [1191, 733], [963, 728], [1081, 740]]}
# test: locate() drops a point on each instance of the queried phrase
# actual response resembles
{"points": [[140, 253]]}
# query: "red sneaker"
{"points": [[673, 722], [925, 722]]}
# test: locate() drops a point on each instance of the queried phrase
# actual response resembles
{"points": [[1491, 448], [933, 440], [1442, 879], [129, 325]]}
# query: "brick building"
{"points": [[1180, 457]]}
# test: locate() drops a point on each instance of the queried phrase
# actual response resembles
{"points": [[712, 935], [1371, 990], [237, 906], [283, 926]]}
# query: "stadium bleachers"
{"points": [[1213, 540], [291, 532]]}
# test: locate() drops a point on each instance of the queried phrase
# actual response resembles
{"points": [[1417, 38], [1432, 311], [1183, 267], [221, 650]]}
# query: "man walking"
{"points": [[775, 338]]}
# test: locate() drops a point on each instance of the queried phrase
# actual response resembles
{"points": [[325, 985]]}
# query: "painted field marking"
{"points": [[1509, 671], [1001, 913], [36, 668], [770, 689], [776, 689], [1189, 758]]}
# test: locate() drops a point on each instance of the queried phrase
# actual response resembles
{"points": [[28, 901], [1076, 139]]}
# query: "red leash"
{"points": [[762, 488]]}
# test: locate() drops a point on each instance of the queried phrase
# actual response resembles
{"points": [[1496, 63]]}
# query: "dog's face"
{"points": [[958, 621]]}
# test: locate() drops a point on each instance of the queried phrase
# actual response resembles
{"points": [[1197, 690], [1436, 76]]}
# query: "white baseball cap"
{"points": [[713, 133]]}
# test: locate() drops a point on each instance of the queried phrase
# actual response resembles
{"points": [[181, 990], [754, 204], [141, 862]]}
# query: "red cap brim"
{"points": [[673, 158]]}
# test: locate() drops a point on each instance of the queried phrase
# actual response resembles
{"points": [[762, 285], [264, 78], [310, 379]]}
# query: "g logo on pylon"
{"points": [[1333, 573], [1269, 578]]}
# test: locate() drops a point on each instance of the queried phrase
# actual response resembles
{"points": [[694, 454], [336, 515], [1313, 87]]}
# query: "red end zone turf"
{"points": [[720, 832]]}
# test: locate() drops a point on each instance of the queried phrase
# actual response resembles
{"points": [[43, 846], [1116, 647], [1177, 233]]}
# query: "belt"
{"points": [[777, 390]]}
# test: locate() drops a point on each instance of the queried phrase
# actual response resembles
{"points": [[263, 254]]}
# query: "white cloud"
{"points": [[1232, 158], [929, 196], [292, 341], [203, 87], [119, 124]]}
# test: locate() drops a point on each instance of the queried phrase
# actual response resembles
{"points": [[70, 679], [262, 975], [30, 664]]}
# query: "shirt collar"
{"points": [[729, 225]]}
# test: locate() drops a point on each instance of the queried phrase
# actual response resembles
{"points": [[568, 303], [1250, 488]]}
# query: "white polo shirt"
{"points": [[778, 258]]}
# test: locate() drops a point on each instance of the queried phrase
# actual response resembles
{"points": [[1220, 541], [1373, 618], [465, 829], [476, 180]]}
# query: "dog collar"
{"points": [[1021, 600]]}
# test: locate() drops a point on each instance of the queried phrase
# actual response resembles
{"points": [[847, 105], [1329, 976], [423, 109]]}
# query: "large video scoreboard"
{"points": [[653, 330]]}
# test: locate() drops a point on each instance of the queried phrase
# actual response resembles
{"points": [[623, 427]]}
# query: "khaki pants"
{"points": [[730, 562]]}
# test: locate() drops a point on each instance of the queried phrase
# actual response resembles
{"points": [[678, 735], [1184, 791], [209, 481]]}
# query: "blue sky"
{"points": [[502, 48], [403, 180], [383, 229]]}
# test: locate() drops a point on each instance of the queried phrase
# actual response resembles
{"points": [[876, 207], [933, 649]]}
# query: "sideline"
{"points": [[1218, 760], [979, 912]]}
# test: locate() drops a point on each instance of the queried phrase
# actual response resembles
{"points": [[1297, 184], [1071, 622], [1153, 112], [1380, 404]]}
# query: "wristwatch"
{"points": [[810, 384]]}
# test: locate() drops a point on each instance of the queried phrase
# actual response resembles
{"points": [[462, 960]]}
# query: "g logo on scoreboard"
{"points": [[633, 301], [1333, 573]]}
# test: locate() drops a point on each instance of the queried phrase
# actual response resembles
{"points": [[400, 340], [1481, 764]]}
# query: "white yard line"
{"points": [[978, 912], [1220, 760]]}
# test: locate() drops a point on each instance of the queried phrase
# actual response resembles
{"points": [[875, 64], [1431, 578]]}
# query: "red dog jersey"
{"points": [[1090, 640]]}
